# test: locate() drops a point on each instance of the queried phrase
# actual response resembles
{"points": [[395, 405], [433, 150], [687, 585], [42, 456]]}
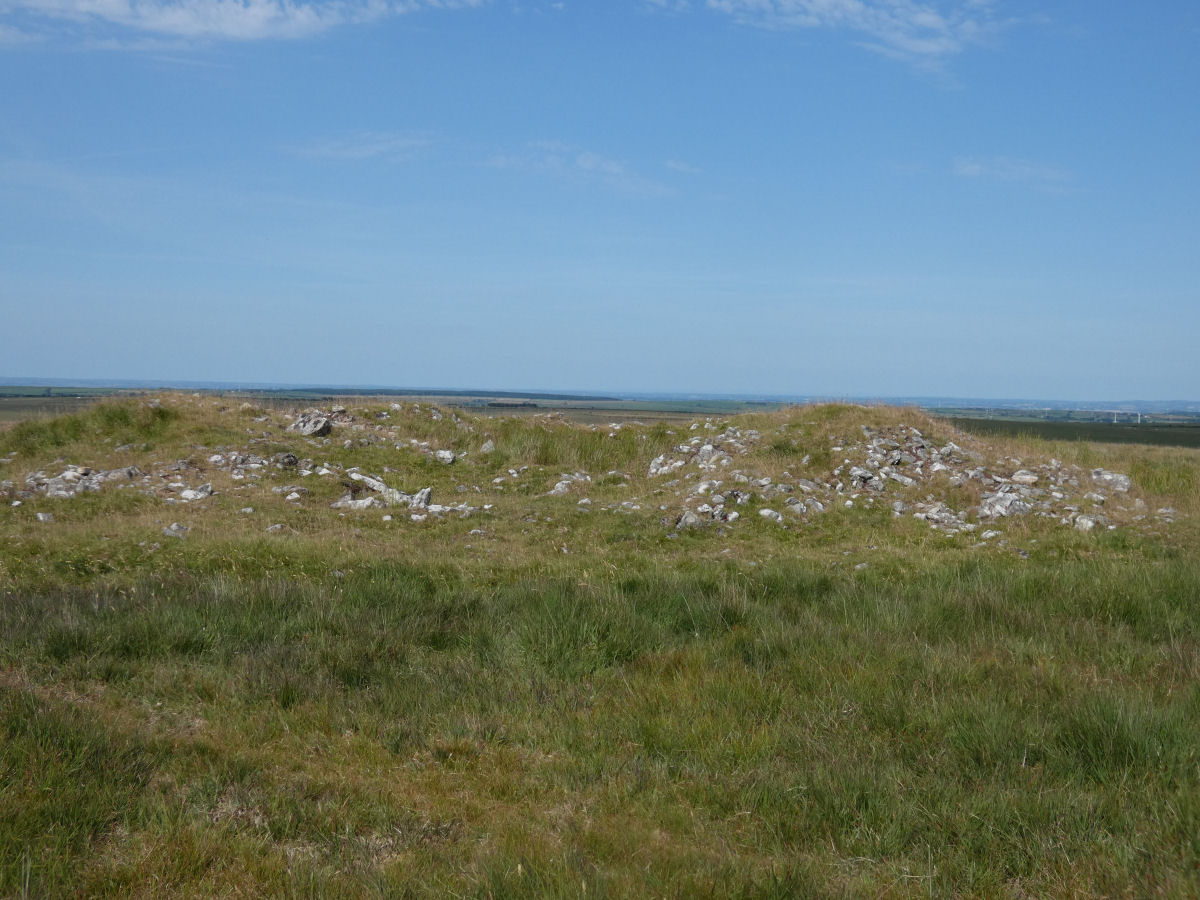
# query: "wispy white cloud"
{"points": [[925, 32], [568, 161], [10, 36], [241, 20], [683, 168], [1007, 168], [367, 145]]}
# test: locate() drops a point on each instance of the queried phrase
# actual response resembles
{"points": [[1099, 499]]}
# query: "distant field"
{"points": [[1105, 432], [18, 409], [598, 410]]}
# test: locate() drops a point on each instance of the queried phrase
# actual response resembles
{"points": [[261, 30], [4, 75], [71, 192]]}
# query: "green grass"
{"points": [[107, 421], [359, 708]]}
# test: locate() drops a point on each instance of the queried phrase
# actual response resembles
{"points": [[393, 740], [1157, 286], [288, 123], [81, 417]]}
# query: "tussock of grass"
{"points": [[112, 422]]}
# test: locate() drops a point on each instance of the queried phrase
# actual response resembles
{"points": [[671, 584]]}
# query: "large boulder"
{"points": [[311, 424]]}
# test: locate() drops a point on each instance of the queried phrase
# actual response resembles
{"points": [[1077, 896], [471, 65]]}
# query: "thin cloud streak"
{"points": [[368, 145], [925, 33], [1005, 168], [11, 37], [236, 20], [566, 161]]}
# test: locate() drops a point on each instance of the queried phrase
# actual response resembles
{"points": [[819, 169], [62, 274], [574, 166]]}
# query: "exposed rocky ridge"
{"points": [[701, 481], [888, 466]]}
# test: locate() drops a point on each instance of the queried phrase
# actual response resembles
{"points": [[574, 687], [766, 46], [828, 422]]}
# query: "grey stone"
{"points": [[348, 502], [311, 424], [1003, 504], [200, 493], [1119, 483]]}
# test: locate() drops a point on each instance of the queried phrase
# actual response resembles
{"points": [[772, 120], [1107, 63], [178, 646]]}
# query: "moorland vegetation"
{"points": [[238, 660]]}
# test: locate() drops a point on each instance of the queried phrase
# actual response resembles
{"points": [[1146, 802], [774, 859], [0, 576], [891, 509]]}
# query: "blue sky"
{"points": [[848, 197]]}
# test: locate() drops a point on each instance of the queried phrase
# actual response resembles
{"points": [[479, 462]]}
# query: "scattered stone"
{"points": [[564, 485], [489, 446], [176, 530], [773, 515], [445, 457], [1119, 483], [349, 502], [311, 424], [45, 517], [660, 465], [1003, 504], [274, 529], [201, 493]]}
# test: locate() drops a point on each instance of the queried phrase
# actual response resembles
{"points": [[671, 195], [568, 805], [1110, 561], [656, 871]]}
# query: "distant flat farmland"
{"points": [[18, 409], [1105, 432]]}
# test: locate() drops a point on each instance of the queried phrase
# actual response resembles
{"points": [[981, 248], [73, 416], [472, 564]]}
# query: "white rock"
{"points": [[311, 424], [773, 515], [363, 503], [1119, 483]]}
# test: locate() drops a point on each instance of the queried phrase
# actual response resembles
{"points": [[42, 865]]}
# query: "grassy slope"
{"points": [[356, 707]]}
